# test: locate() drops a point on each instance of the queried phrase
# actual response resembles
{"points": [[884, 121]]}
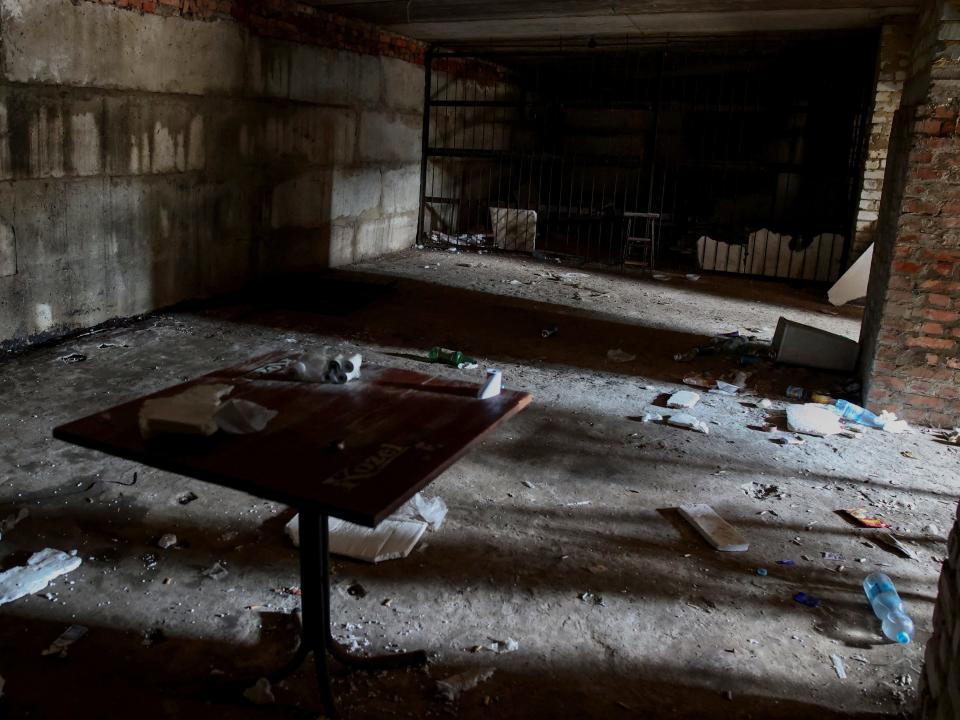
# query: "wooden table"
{"points": [[356, 452]]}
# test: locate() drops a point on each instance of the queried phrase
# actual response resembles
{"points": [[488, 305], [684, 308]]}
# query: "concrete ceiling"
{"points": [[456, 22]]}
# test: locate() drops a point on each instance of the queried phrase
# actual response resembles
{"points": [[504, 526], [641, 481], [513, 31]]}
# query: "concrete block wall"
{"points": [[940, 681], [911, 329], [893, 64], [160, 153]]}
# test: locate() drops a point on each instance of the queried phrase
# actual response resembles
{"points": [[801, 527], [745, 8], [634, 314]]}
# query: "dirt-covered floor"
{"points": [[562, 532]]}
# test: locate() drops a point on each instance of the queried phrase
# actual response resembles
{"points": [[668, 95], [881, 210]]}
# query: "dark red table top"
{"points": [[397, 429]]}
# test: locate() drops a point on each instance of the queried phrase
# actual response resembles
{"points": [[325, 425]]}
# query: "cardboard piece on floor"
{"points": [[852, 285], [714, 529], [392, 539], [798, 344]]}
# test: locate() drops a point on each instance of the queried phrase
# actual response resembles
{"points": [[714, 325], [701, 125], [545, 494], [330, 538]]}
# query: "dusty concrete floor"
{"points": [[574, 496]]}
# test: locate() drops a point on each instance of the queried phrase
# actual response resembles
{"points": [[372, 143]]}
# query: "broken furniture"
{"points": [[355, 452], [798, 344]]}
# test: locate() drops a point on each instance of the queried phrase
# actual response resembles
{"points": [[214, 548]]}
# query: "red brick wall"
{"points": [[911, 329]]}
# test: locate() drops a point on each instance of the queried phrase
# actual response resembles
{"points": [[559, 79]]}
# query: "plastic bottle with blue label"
{"points": [[888, 607]]}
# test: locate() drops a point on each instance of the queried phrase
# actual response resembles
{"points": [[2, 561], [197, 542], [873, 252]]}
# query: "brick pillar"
{"points": [[940, 682], [911, 328], [893, 62]]}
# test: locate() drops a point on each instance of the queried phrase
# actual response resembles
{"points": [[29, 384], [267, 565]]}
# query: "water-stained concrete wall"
{"points": [[146, 160]]}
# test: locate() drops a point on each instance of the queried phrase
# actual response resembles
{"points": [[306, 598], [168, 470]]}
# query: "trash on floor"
{"points": [[216, 572], [838, 666], [890, 542], [167, 541], [833, 556], [242, 417], [795, 392], [73, 357], [619, 356], [693, 277], [432, 511], [41, 567], [260, 693], [187, 498], [714, 529], [761, 491], [498, 646], [808, 600], [852, 285], [592, 598], [461, 240], [683, 399], [322, 367], [698, 380], [491, 386], [453, 358], [655, 417], [67, 638], [12, 520], [896, 625], [685, 420], [863, 518], [452, 687], [725, 388], [390, 540], [798, 344], [812, 419], [190, 412], [549, 331]]}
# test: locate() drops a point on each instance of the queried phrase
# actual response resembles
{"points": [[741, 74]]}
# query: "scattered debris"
{"points": [[725, 388], [216, 572], [491, 386], [167, 541], [838, 666], [453, 358], [891, 543], [786, 562], [455, 685], [833, 556], [762, 572], [812, 419], [698, 380], [683, 399], [41, 567], [11, 521], [795, 392], [498, 646], [591, 598], [808, 600], [549, 331], [692, 277], [761, 491], [685, 420], [73, 357], [432, 511], [67, 638], [356, 590], [863, 518], [650, 416], [105, 345], [788, 440], [619, 356], [714, 529], [260, 693], [187, 498], [907, 454]]}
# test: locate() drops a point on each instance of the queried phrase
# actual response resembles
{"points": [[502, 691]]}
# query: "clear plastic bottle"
{"points": [[888, 606], [856, 413]]}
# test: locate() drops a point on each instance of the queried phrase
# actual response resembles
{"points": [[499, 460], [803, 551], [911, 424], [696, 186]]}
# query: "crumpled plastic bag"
{"points": [[432, 511], [242, 417]]}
